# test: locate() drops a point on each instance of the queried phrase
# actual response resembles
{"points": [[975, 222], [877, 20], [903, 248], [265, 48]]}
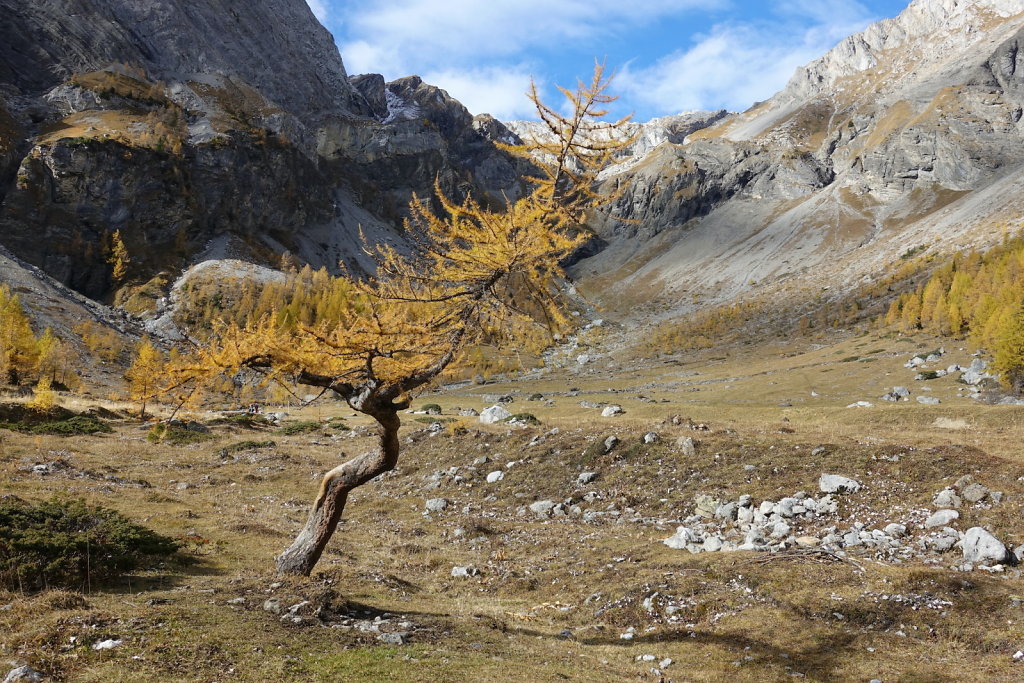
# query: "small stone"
{"points": [[712, 544], [946, 498], [465, 572], [236, 601], [628, 635], [610, 443], [585, 478], [396, 638], [686, 445], [980, 546], [808, 541], [941, 518], [437, 505], [833, 483], [706, 505], [273, 605], [495, 476], [24, 674], [650, 437], [683, 537], [108, 644], [895, 530], [611, 411], [928, 400], [818, 451], [468, 412]]}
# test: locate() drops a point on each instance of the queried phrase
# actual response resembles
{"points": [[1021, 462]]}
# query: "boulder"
{"points": [[437, 505], [542, 508], [941, 518], [974, 493], [834, 483], [24, 674], [611, 411], [946, 498], [683, 537], [686, 445], [495, 476], [495, 413], [981, 547], [585, 478]]}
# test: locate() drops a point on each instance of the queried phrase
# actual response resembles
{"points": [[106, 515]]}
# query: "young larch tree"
{"points": [[472, 273]]}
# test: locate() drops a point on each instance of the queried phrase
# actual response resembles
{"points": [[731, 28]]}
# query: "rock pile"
{"points": [[801, 521]]}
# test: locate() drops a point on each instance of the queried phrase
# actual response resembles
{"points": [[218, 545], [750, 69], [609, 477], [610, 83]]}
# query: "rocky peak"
{"points": [[277, 46]]}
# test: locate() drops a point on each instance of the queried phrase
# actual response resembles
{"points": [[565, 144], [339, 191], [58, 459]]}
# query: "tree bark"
{"points": [[304, 552]]}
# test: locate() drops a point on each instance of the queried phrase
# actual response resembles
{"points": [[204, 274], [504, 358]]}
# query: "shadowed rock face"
{"points": [[188, 123], [275, 45]]}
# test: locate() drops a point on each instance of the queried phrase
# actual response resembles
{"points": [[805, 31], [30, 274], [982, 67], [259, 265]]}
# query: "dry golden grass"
{"points": [[553, 596]]}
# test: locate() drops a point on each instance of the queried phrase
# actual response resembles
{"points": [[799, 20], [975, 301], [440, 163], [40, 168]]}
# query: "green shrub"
{"points": [[929, 374], [299, 428], [177, 434], [246, 420], [69, 544], [526, 418], [82, 424], [247, 445], [431, 409], [431, 420]]}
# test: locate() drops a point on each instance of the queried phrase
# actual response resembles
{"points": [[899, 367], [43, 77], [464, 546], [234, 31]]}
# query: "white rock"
{"points": [[980, 546], [24, 674], [542, 508], [895, 530], [686, 445], [941, 518], [108, 644], [495, 413], [495, 476], [611, 411], [682, 537], [946, 498], [437, 505], [464, 572], [834, 483]]}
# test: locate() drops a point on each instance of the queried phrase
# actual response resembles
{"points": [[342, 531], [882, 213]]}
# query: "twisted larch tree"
{"points": [[471, 273]]}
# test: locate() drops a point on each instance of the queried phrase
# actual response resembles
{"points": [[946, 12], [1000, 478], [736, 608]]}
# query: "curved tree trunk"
{"points": [[304, 552]]}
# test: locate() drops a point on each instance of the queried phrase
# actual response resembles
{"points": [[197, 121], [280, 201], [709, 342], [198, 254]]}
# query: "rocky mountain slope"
{"points": [[196, 132], [192, 125], [905, 136]]}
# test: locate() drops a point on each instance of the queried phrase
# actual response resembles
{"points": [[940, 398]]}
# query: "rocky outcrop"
{"points": [[907, 134], [274, 45], [184, 124]]}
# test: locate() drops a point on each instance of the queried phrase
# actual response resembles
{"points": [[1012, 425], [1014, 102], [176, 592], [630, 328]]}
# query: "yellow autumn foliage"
{"points": [[472, 272]]}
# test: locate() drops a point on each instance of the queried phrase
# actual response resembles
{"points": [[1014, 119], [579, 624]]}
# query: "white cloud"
{"points": [[319, 9], [737, 64], [498, 91], [407, 34]]}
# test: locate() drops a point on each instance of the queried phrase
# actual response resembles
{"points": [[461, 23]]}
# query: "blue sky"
{"points": [[670, 55]]}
